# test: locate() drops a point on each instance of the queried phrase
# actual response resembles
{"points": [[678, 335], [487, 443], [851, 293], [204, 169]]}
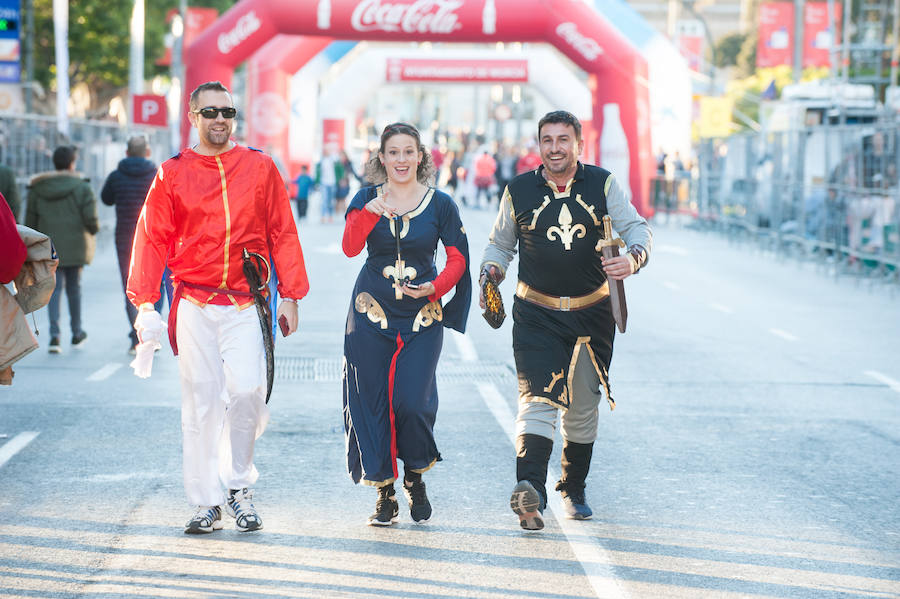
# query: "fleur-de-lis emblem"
{"points": [[400, 272], [565, 231]]}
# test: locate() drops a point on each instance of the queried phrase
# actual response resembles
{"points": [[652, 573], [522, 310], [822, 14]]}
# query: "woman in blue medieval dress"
{"points": [[395, 323]]}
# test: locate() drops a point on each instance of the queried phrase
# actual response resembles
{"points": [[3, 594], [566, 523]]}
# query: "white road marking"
{"points": [[105, 372], [112, 478], [721, 308], [670, 285], [893, 384], [593, 557], [15, 445], [465, 346], [783, 334]]}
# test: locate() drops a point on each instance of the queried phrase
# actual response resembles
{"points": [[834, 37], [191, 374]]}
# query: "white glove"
{"points": [[143, 358], [150, 329], [149, 326]]}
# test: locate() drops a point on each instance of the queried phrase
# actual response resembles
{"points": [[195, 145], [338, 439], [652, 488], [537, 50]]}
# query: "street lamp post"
{"points": [[707, 147]]}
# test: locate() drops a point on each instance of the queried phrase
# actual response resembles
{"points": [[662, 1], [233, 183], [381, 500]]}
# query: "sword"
{"points": [[400, 279], [252, 264], [609, 248]]}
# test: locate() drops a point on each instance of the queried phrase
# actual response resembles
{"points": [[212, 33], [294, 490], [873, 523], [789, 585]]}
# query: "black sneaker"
{"points": [[54, 348], [526, 503], [419, 506], [78, 340], [239, 505], [204, 520], [386, 508], [576, 506]]}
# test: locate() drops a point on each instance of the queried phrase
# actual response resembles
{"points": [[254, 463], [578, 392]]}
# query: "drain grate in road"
{"points": [[328, 370]]}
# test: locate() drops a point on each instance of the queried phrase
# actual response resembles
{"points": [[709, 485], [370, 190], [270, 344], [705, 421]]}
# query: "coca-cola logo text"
{"points": [[421, 16], [585, 46], [243, 29]]}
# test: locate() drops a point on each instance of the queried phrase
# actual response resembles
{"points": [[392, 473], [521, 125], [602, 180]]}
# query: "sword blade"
{"points": [[616, 291]]}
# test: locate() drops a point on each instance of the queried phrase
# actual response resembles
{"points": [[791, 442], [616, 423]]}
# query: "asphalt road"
{"points": [[754, 452]]}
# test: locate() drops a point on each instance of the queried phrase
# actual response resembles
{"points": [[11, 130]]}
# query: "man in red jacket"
{"points": [[205, 206]]}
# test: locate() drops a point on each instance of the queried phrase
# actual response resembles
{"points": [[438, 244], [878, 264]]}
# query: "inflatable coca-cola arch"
{"points": [[617, 72]]}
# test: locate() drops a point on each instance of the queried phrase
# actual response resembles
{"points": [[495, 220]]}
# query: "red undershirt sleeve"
{"points": [[358, 225], [450, 276]]}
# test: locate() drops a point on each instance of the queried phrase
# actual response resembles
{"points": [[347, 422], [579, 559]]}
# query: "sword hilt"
{"points": [[607, 239]]}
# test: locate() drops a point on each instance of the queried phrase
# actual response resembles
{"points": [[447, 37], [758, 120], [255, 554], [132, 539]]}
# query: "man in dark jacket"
{"points": [[62, 205], [9, 190], [126, 188]]}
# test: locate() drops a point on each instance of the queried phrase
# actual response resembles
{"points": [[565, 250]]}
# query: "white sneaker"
{"points": [[239, 506], [205, 519]]}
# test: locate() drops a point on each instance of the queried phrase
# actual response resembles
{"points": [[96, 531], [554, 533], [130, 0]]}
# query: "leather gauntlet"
{"points": [[637, 255]]}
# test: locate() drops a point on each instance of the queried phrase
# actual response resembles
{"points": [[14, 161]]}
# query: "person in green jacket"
{"points": [[9, 190], [62, 205]]}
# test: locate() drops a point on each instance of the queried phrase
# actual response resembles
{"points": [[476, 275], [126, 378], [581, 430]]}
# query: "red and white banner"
{"points": [[149, 110], [615, 67], [333, 133], [689, 39], [818, 37], [409, 69], [776, 34]]}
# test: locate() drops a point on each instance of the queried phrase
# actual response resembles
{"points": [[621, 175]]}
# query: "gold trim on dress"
{"points": [[366, 304], [428, 315], [426, 468], [423, 204]]}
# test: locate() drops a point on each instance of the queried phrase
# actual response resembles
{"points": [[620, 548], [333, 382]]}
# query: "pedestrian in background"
{"points": [[563, 323], [304, 183], [394, 329], [329, 171], [205, 207], [62, 205], [125, 188], [10, 191]]}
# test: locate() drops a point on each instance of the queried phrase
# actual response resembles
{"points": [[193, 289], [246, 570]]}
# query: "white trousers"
{"points": [[223, 398], [579, 422]]}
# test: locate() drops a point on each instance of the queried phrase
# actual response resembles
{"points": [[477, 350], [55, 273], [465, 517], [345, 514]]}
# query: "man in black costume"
{"points": [[563, 325]]}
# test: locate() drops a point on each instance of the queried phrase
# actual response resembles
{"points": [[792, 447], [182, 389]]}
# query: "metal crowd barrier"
{"points": [[829, 193], [27, 143]]}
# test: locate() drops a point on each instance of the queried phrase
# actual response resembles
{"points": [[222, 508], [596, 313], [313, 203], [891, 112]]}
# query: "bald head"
{"points": [[137, 146]]}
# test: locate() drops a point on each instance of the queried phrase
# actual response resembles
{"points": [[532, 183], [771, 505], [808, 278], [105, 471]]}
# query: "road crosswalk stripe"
{"points": [[15, 445]]}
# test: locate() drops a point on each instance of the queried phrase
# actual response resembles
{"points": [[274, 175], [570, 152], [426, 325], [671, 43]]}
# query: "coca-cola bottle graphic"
{"points": [[614, 148], [323, 14], [489, 18]]}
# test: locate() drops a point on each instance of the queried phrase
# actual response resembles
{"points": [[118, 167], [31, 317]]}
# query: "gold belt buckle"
{"points": [[565, 303]]}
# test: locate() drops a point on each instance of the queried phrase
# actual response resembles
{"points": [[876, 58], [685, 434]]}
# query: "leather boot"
{"points": [[576, 462], [529, 497]]}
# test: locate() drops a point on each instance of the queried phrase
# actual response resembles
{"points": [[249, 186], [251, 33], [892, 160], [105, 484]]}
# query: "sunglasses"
{"points": [[210, 113]]}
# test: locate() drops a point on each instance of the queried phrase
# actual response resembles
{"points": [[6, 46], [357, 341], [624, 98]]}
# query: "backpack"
{"points": [[37, 279]]}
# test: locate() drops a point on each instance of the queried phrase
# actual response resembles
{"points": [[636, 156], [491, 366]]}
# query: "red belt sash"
{"points": [[179, 290]]}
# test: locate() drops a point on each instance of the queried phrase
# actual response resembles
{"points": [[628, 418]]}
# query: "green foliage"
{"points": [[99, 42], [728, 48]]}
